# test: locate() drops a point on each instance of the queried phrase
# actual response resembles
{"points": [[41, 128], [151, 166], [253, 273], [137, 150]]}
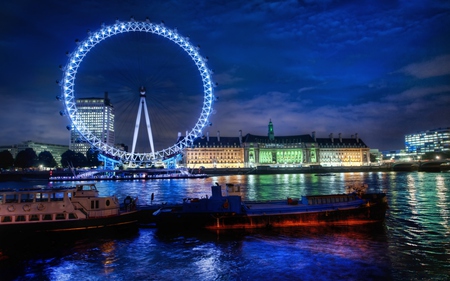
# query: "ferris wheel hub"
{"points": [[142, 91]]}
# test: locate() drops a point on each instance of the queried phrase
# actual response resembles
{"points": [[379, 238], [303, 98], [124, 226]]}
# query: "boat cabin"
{"points": [[85, 190], [36, 205], [55, 204]]}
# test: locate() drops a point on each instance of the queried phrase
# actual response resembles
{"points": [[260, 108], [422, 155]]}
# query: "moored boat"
{"points": [[230, 212], [27, 211]]}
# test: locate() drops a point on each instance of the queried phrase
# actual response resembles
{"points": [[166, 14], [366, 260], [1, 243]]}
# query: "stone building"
{"points": [[342, 151], [215, 152], [288, 151]]}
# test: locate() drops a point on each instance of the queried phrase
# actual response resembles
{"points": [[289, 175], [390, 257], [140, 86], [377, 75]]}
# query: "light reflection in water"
{"points": [[413, 245], [443, 194], [108, 250]]}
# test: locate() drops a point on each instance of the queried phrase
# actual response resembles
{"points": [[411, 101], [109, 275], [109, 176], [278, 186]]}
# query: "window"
{"points": [[20, 218], [60, 216], [6, 219], [57, 196], [27, 197], [11, 198], [34, 217], [47, 217]]}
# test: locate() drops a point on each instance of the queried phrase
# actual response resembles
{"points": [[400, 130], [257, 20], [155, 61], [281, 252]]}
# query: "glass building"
{"points": [[98, 115], [435, 140]]}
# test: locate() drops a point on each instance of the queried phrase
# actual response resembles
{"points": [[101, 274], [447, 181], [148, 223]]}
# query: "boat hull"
{"points": [[368, 213], [125, 221]]}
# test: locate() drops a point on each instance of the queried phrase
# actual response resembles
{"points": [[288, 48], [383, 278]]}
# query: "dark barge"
{"points": [[230, 212]]}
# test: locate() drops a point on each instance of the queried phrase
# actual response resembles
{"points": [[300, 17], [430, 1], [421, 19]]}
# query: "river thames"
{"points": [[412, 244]]}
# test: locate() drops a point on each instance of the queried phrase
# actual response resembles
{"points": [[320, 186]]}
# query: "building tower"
{"points": [[98, 115], [271, 134]]}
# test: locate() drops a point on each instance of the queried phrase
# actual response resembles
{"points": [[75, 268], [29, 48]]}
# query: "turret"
{"points": [[271, 134]]}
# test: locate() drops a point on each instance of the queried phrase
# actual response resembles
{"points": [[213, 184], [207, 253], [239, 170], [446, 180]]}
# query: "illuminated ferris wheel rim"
{"points": [[75, 59]]}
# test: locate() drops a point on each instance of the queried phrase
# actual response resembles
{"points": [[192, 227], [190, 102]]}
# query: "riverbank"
{"points": [[266, 170], [261, 170]]}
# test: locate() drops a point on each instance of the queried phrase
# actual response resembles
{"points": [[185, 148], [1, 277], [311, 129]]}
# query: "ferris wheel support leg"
{"points": [[149, 129], [136, 127]]}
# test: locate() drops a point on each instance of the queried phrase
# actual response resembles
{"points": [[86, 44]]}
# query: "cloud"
{"points": [[419, 93], [227, 93], [28, 124], [438, 66], [305, 89], [226, 78]]}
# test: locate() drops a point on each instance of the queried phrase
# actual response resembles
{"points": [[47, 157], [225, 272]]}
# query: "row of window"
{"points": [[38, 217], [212, 153], [215, 158], [213, 162], [340, 155], [32, 197]]}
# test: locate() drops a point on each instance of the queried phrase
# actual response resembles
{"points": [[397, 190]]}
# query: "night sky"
{"points": [[377, 68]]}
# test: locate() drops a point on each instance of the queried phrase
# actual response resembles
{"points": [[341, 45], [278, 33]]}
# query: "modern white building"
{"points": [[98, 115], [55, 149], [435, 140]]}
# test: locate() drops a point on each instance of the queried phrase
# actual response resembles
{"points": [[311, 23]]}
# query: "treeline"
{"points": [[29, 159]]}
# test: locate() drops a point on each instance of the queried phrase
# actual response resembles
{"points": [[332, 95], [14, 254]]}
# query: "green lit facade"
{"points": [[289, 151]]}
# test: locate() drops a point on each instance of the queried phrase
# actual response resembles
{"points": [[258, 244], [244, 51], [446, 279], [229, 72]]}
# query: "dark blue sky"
{"points": [[377, 68]]}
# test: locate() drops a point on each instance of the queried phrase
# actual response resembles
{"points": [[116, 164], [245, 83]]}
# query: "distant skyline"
{"points": [[380, 69]]}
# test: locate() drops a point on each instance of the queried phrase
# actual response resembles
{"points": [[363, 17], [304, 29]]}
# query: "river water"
{"points": [[412, 244]]}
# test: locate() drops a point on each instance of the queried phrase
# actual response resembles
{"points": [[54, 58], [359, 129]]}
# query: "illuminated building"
{"points": [[271, 150], [342, 151], [435, 140], [215, 152], [98, 115], [55, 149]]}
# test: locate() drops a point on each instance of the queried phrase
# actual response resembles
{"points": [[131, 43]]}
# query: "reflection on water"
{"points": [[411, 245], [418, 226]]}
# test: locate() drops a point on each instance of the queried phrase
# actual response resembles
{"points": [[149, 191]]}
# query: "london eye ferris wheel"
{"points": [[156, 96]]}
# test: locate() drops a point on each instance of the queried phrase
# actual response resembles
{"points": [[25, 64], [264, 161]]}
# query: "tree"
{"points": [[373, 158], [74, 159], [45, 158], [92, 158], [26, 158], [6, 159], [66, 158]]}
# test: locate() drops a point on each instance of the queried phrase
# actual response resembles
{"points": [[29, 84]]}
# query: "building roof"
{"points": [[220, 141], [337, 142], [249, 138], [278, 139]]}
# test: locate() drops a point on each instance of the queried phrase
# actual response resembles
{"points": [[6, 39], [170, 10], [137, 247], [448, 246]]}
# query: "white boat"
{"points": [[63, 209]]}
